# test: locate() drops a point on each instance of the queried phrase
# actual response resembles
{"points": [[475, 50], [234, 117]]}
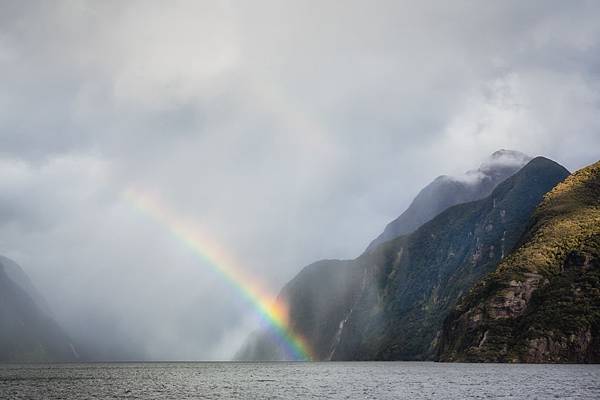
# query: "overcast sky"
{"points": [[291, 131]]}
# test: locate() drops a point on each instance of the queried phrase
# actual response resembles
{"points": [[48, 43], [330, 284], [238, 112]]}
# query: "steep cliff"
{"points": [[318, 298], [27, 332], [446, 191], [542, 303], [417, 279], [390, 302]]}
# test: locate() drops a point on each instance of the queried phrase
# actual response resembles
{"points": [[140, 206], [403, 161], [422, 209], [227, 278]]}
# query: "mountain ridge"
{"points": [[419, 277], [446, 191], [542, 304], [380, 286]]}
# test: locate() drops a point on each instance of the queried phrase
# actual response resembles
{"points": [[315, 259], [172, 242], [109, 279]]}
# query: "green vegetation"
{"points": [[417, 279], [542, 304], [390, 303], [421, 296]]}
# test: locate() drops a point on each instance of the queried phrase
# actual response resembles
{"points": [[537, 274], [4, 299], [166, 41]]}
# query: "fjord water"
{"points": [[334, 380]]}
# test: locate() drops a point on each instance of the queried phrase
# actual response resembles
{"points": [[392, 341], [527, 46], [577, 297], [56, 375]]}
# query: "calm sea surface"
{"points": [[357, 380]]}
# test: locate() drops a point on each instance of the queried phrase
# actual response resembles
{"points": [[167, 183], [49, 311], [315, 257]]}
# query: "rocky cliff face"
{"points": [[390, 302], [27, 331], [446, 191], [542, 303]]}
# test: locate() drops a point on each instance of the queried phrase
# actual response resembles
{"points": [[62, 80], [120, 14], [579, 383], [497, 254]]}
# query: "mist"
{"points": [[289, 133]]}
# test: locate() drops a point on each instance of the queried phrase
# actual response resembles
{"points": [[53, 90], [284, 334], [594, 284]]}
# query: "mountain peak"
{"points": [[508, 153], [500, 160], [446, 191]]}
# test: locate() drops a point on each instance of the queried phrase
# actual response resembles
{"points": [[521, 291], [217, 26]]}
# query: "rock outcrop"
{"points": [[542, 303]]}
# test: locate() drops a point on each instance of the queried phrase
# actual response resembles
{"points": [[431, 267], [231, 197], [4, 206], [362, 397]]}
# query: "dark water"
{"points": [[397, 380]]}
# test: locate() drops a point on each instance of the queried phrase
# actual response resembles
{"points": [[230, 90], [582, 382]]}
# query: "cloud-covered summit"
{"points": [[446, 191], [497, 164]]}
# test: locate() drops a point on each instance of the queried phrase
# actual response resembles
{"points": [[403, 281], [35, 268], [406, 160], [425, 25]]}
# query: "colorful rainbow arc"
{"points": [[272, 312]]}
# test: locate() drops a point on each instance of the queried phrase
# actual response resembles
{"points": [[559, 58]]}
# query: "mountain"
{"points": [[317, 298], [390, 302], [416, 279], [18, 276], [27, 331], [446, 191], [542, 303]]}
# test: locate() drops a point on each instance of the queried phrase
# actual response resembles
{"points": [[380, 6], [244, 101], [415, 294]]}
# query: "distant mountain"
{"points": [[542, 303], [390, 303], [446, 191], [27, 331], [18, 276]]}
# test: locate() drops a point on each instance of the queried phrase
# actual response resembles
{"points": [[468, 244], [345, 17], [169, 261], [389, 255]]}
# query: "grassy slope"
{"points": [[542, 304]]}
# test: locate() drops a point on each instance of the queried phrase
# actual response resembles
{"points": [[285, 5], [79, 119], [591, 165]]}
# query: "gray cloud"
{"points": [[289, 132]]}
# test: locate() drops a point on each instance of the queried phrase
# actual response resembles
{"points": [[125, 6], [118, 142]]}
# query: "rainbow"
{"points": [[272, 312]]}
